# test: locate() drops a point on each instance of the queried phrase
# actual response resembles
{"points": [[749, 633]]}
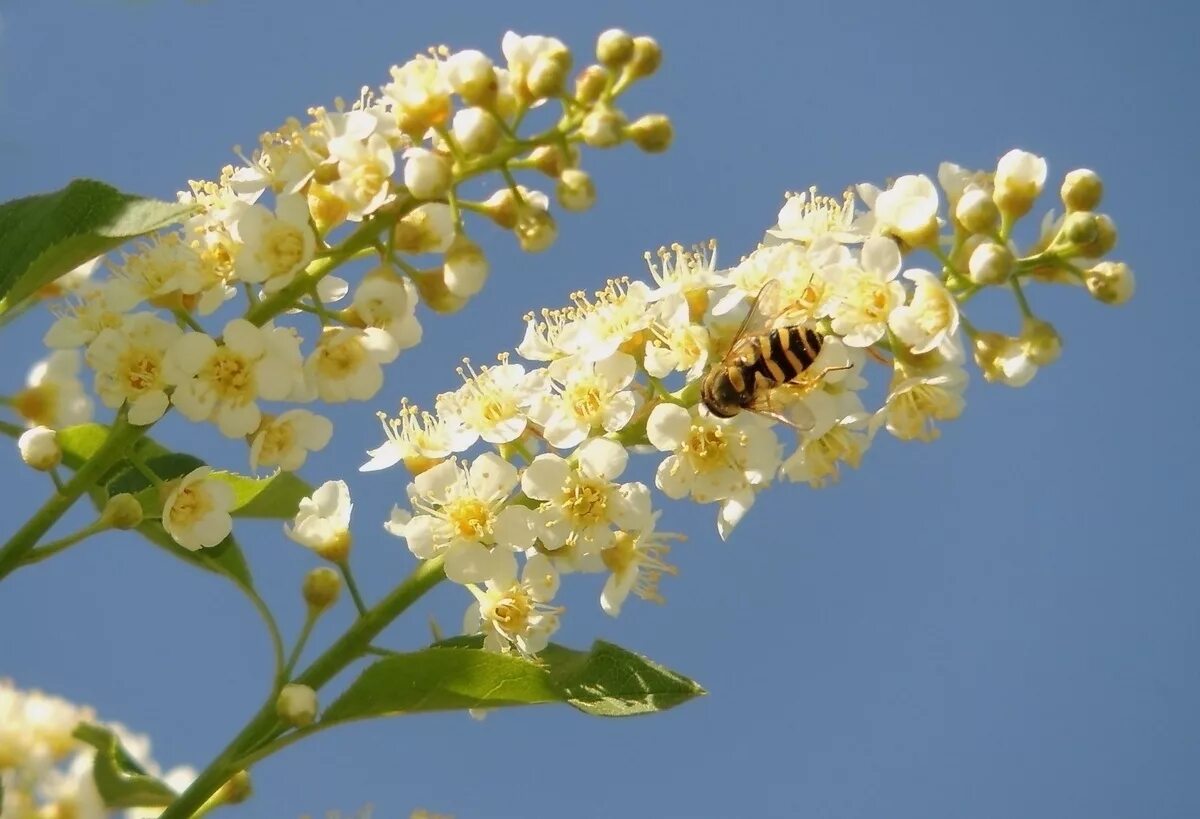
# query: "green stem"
{"points": [[349, 647], [1022, 302], [348, 576], [116, 446], [310, 620], [264, 611], [11, 430], [186, 318], [54, 547]]}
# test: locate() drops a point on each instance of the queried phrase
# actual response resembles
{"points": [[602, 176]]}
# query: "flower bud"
{"points": [[550, 159], [429, 228], [976, 211], [1080, 228], [990, 263], [426, 174], [647, 57], [472, 76], [652, 133], [575, 190], [435, 294], [237, 789], [1110, 282], [122, 512], [602, 127], [547, 76], [296, 705], [465, 269], [590, 84], [1082, 190], [1105, 239], [1020, 176], [476, 130], [321, 588], [39, 448], [1041, 341], [503, 208], [535, 230], [614, 48], [987, 347]]}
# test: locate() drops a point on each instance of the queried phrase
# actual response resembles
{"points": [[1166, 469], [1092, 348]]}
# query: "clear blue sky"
{"points": [[1002, 624]]}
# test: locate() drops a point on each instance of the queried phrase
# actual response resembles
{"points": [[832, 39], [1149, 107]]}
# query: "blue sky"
{"points": [[1003, 623]]}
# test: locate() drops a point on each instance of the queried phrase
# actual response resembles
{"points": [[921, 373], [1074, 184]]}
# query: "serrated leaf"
{"points": [[457, 674], [44, 236], [275, 496], [121, 781]]}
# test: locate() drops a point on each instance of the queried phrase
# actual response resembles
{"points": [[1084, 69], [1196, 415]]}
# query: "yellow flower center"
{"points": [[277, 439], [584, 398], [191, 504], [706, 447], [367, 180], [933, 314], [586, 500], [621, 555], [511, 612], [283, 249], [469, 518], [340, 360], [141, 368], [231, 376]]}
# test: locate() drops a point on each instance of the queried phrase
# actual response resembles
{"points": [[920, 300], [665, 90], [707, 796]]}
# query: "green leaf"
{"points": [[606, 681], [121, 781], [44, 236], [275, 496]]}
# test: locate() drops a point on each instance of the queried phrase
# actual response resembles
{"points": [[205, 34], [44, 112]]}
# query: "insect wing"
{"points": [[792, 412], [763, 311]]}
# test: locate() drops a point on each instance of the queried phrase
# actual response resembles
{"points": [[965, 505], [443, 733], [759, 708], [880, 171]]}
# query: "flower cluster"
{"points": [[379, 179], [46, 772], [703, 366]]}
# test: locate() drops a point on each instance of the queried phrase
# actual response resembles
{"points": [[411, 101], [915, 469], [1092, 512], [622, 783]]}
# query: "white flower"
{"points": [[548, 339], [365, 169], [493, 402], [36, 727], [587, 396], [907, 210], [689, 273], [867, 293], [389, 302], [1020, 176], [840, 434], [53, 395], [274, 246], [420, 95], [713, 459], [621, 311], [223, 382], [39, 448], [522, 52], [284, 441], [196, 512], [581, 503], [747, 279], [345, 366], [426, 174], [322, 521], [95, 308], [471, 74], [636, 561], [677, 343], [162, 264], [418, 438], [130, 365], [75, 279], [957, 180], [464, 513], [429, 228], [917, 400], [807, 216], [465, 268], [930, 318], [512, 613]]}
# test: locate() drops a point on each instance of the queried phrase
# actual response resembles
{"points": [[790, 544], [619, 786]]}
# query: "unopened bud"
{"points": [[575, 190], [1020, 176], [652, 133], [603, 127], [547, 76], [976, 211], [426, 174], [321, 588], [39, 448], [237, 789], [614, 48], [1082, 190], [1041, 341], [435, 294], [1110, 282], [472, 76], [327, 208], [535, 230], [1080, 228], [647, 57], [122, 512], [466, 268], [552, 161], [429, 228], [1105, 240], [503, 207], [296, 705], [590, 84], [476, 130], [990, 263]]}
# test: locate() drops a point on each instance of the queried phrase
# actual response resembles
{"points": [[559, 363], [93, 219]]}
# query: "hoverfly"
{"points": [[760, 360]]}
